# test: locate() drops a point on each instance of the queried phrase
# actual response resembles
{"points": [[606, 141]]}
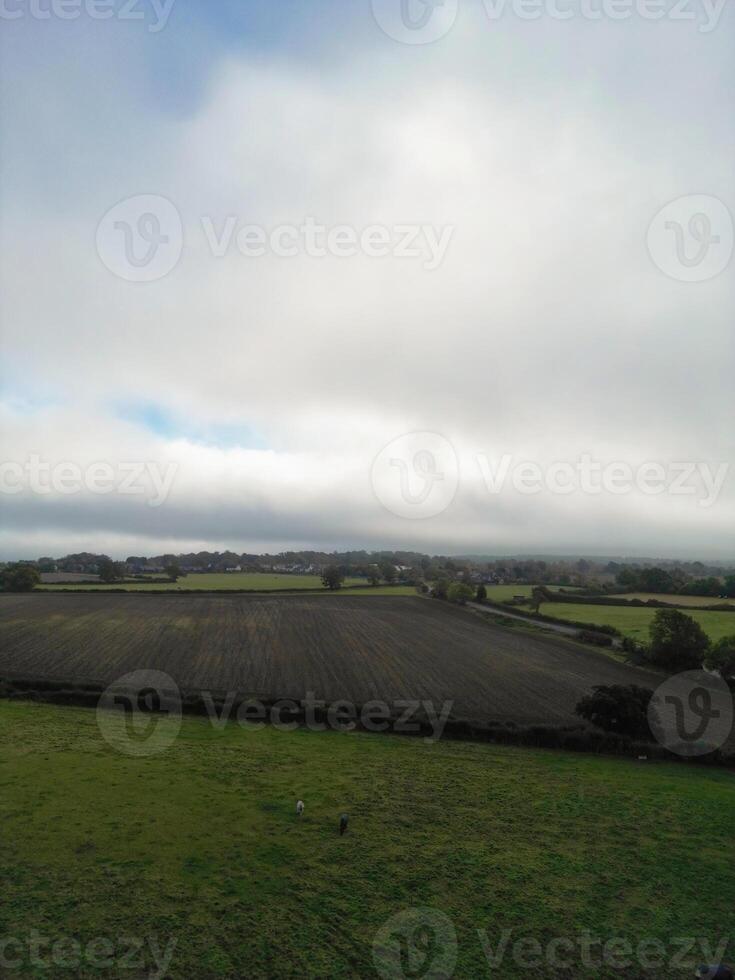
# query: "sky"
{"points": [[454, 277]]}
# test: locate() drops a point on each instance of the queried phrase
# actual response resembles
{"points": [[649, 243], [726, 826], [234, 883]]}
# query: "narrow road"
{"points": [[555, 627]]}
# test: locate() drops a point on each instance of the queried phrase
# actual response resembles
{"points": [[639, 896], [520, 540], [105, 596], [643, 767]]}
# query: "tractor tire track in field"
{"points": [[338, 647]]}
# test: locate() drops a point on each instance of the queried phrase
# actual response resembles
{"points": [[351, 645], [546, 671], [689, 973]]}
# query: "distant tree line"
{"points": [[589, 575]]}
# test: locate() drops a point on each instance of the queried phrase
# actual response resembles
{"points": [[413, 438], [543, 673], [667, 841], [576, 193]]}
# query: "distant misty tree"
{"points": [[173, 571], [332, 577], [481, 593], [539, 594], [709, 586], [459, 593], [110, 571], [388, 572]]}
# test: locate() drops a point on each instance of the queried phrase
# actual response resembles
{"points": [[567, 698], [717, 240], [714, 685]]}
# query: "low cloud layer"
{"points": [[545, 331]]}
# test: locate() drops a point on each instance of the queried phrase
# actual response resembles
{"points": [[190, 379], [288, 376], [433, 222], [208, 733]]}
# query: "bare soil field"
{"points": [[337, 647]]}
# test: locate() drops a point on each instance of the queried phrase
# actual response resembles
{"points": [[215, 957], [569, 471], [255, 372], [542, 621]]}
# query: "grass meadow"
{"points": [[634, 621], [201, 846]]}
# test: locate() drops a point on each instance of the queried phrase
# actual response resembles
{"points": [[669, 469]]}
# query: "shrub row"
{"points": [[576, 738], [603, 600]]}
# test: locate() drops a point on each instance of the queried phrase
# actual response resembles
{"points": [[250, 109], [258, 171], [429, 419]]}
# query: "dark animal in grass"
{"points": [[715, 972], [342, 824]]}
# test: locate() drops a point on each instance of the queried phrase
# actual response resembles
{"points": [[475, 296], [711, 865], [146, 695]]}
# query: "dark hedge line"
{"points": [[602, 600], [172, 591], [573, 738]]}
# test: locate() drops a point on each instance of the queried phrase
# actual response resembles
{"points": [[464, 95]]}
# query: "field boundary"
{"points": [[115, 590], [570, 738], [605, 600]]}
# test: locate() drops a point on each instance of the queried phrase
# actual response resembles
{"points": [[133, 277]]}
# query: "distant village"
{"points": [[654, 575]]}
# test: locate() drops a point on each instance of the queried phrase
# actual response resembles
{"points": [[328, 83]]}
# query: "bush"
{"points": [[20, 578], [618, 708], [634, 646], [332, 577], [678, 642], [721, 657], [598, 639], [481, 593], [459, 593]]}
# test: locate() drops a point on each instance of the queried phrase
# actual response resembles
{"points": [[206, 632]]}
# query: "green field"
{"points": [[634, 620], [499, 593], [255, 581], [201, 845]]}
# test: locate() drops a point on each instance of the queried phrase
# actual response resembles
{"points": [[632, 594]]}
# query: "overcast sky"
{"points": [[549, 315]]}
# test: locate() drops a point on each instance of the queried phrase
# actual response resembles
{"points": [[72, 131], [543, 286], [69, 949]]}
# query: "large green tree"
{"points": [[20, 578], [332, 577], [678, 642], [618, 708]]}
